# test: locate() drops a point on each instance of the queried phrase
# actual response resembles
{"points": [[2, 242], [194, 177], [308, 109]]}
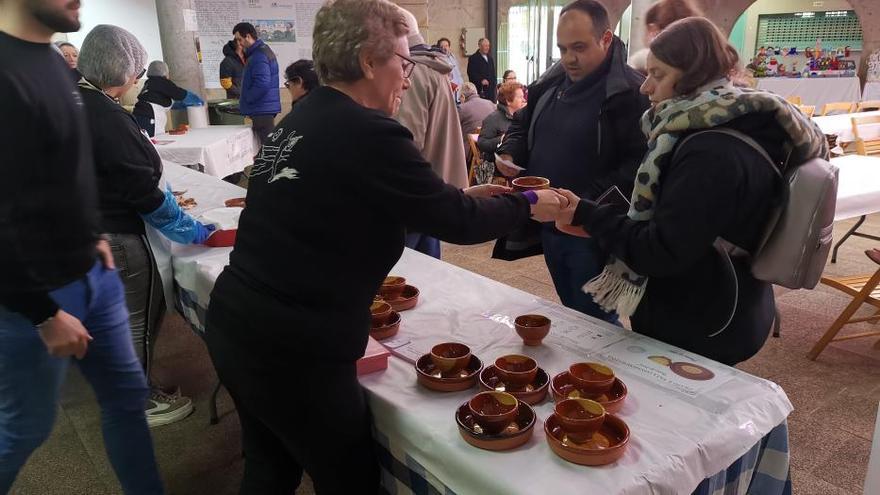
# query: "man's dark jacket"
{"points": [[478, 69], [622, 145]]}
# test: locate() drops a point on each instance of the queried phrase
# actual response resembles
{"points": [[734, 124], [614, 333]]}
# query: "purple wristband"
{"points": [[532, 196]]}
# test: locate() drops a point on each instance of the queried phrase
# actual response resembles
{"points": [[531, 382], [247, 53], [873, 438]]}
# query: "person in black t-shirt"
{"points": [[60, 297], [157, 96]]}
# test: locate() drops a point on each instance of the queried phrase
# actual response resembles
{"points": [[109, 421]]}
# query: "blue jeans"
{"points": [[572, 262], [424, 244], [30, 380]]}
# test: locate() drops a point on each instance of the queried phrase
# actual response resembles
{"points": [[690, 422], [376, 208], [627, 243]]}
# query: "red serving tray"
{"points": [[222, 238]]}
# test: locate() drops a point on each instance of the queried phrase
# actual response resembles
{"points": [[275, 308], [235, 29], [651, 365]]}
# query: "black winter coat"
{"points": [[477, 70], [232, 67], [127, 165], [718, 186]]}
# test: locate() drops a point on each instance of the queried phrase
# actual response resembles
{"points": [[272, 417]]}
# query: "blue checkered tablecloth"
{"points": [[763, 470]]}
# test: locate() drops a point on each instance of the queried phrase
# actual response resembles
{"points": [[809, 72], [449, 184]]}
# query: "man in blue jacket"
{"points": [[260, 94]]}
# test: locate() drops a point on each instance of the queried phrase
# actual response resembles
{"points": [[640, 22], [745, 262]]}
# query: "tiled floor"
{"points": [[835, 397]]}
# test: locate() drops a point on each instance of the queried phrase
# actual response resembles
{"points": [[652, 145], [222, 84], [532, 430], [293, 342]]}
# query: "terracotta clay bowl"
{"points": [[532, 328], [517, 433], [516, 370], [388, 329], [380, 313], [430, 377], [593, 378], [580, 418], [606, 446], [532, 393], [529, 183], [407, 299], [392, 287], [612, 400], [450, 357], [493, 411]]}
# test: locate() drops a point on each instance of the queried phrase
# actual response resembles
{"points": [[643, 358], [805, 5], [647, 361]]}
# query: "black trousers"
{"points": [[297, 414], [263, 126], [143, 293]]}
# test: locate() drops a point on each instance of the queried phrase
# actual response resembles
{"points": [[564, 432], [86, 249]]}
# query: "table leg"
{"points": [[845, 237]]}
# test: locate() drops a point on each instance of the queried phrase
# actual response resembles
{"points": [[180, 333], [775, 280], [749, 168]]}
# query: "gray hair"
{"points": [[468, 91], [157, 68], [110, 56], [346, 28]]}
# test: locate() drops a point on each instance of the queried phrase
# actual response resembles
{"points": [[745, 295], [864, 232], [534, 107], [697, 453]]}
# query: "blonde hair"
{"points": [[346, 28]]}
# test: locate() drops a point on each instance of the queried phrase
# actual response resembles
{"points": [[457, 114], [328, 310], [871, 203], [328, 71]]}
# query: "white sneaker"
{"points": [[163, 408]]}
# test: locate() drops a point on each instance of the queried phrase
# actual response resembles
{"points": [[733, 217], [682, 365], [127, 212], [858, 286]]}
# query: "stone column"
{"points": [[637, 25], [179, 45]]}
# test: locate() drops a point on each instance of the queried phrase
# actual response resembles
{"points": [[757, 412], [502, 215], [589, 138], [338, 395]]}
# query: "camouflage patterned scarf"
{"points": [[619, 288]]}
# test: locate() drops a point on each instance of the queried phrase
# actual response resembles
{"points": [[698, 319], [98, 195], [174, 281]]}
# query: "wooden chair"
{"points": [[794, 100], [865, 146], [863, 289], [841, 106], [475, 155], [868, 105], [807, 110]]}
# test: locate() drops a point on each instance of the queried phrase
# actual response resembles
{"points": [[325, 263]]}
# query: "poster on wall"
{"points": [[285, 26]]}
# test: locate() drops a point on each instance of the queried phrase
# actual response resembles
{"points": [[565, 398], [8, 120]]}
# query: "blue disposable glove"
{"points": [[203, 232], [176, 225], [190, 100]]}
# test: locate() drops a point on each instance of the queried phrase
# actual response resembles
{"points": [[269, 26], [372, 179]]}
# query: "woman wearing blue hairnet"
{"points": [[128, 170]]}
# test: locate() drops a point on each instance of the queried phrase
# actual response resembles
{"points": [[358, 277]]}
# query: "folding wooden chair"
{"points": [[863, 290], [840, 106], [807, 110], [794, 100], [868, 105], [475, 155], [865, 146]]}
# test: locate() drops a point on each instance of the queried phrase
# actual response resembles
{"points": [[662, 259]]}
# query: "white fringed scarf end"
{"points": [[612, 293]]}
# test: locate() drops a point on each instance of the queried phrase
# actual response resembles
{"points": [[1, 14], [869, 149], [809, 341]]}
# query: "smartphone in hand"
{"points": [[614, 197]]}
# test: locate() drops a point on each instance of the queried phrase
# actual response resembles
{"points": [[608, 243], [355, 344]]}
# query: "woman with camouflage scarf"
{"points": [[667, 272]]}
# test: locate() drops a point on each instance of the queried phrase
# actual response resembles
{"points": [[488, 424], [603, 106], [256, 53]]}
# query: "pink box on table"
{"points": [[375, 358]]}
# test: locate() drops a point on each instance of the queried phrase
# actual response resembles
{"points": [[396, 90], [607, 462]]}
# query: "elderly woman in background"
{"points": [[128, 170], [300, 79], [289, 316], [157, 96], [510, 100], [71, 56], [700, 182], [472, 111]]}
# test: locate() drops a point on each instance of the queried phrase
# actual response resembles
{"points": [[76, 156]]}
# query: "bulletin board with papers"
{"points": [[286, 26]]}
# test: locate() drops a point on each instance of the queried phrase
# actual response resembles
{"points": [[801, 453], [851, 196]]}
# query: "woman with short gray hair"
{"points": [[128, 169], [331, 195]]}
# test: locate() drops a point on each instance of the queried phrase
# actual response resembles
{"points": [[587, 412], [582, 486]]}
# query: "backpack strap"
{"points": [[725, 247]]}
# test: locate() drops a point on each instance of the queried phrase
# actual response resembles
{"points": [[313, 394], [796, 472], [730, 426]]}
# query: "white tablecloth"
{"points": [[682, 430], [221, 150], [871, 91], [858, 188], [814, 90], [842, 126]]}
